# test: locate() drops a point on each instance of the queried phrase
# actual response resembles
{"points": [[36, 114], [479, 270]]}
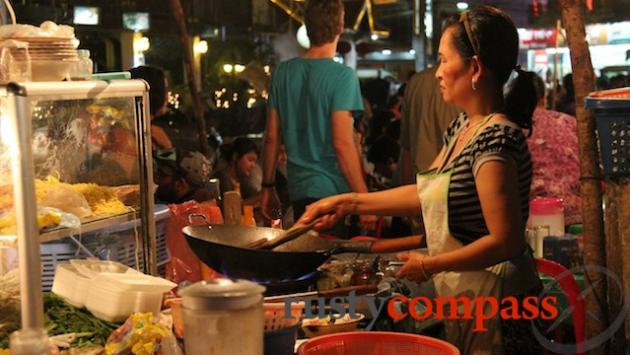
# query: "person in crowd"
{"points": [[555, 156], [566, 99], [383, 154], [475, 198], [241, 157], [378, 125], [311, 105], [182, 176], [158, 99], [397, 101], [425, 117]]}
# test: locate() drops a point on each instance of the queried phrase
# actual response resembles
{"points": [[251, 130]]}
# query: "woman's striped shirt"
{"points": [[498, 141]]}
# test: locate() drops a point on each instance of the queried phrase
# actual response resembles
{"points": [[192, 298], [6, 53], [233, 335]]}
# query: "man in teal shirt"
{"points": [[311, 103]]}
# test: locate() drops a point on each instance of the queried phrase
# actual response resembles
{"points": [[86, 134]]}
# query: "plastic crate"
{"points": [[116, 243], [611, 109]]}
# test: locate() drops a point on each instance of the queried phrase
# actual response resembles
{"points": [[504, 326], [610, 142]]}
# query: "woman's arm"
{"points": [[497, 186], [400, 201]]}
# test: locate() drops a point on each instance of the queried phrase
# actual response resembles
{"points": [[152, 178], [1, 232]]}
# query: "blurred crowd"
{"points": [[183, 173]]}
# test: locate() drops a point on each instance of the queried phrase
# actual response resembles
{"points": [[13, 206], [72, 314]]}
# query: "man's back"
{"points": [[305, 93], [425, 118]]}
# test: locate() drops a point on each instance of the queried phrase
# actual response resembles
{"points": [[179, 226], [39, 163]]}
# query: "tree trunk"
{"points": [[615, 251], [590, 188], [180, 19]]}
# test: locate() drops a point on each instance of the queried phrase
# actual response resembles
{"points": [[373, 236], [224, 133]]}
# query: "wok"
{"points": [[221, 247]]}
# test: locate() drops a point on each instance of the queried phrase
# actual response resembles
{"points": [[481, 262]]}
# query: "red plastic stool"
{"points": [[572, 291]]}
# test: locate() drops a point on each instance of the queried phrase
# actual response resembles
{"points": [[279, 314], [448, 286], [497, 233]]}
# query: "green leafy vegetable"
{"points": [[62, 318]]}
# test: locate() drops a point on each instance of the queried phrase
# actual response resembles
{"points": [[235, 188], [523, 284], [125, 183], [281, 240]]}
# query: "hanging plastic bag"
{"points": [[184, 264]]}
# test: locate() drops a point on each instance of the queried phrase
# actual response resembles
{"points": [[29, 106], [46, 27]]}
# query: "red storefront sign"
{"points": [[537, 38]]}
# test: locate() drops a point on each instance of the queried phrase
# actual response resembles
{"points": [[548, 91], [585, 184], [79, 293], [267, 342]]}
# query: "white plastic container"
{"points": [[94, 267], [547, 213], [72, 281], [70, 285], [116, 306], [132, 282], [114, 296]]}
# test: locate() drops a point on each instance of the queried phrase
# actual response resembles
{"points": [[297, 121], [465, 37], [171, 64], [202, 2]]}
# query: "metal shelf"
{"points": [[88, 226]]}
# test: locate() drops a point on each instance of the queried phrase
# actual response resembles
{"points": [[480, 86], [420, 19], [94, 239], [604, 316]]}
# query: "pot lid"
{"points": [[221, 293]]}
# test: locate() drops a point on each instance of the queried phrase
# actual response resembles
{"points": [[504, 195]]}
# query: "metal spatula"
{"points": [[286, 236]]}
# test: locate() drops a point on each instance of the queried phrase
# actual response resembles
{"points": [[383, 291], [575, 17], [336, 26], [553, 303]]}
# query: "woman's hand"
{"points": [[270, 203], [331, 209], [414, 267]]}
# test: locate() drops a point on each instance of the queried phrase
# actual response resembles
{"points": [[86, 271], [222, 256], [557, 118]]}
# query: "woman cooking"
{"points": [[474, 198]]}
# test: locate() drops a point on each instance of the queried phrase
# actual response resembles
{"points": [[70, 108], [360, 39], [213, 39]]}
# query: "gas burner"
{"points": [[303, 284]]}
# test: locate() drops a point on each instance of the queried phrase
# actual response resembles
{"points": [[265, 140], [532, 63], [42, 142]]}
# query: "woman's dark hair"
{"points": [[539, 86], [495, 41], [239, 147], [567, 82], [157, 85]]}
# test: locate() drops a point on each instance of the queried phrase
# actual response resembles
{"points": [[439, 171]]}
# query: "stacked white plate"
{"points": [[51, 57]]}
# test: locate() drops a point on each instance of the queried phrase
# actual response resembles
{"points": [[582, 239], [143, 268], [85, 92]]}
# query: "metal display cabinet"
{"points": [[78, 132]]}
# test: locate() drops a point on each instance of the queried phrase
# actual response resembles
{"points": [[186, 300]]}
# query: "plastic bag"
{"points": [[140, 335], [184, 264], [47, 217], [67, 200]]}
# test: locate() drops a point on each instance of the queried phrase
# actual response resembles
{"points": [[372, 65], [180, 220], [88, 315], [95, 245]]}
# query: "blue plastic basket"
{"points": [[612, 116]]}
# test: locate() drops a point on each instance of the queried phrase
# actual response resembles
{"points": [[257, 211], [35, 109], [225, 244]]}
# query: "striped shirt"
{"points": [[497, 141]]}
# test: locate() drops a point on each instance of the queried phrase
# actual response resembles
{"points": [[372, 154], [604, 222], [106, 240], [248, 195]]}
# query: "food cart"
{"points": [[74, 157]]}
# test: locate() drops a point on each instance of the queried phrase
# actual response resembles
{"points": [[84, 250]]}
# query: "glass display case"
{"points": [[74, 157]]}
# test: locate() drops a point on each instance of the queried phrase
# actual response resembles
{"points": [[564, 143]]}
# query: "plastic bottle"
{"points": [[82, 69], [547, 212], [248, 216]]}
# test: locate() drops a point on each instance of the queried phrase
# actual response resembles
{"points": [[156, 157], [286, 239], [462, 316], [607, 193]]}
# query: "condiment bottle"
{"points": [[547, 212], [248, 216]]}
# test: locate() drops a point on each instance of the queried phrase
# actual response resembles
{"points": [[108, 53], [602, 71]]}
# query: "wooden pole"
{"points": [[617, 225], [590, 187], [180, 19]]}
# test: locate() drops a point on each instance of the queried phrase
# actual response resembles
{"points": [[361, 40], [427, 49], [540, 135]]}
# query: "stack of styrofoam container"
{"points": [[70, 285], [114, 296], [72, 281], [110, 290]]}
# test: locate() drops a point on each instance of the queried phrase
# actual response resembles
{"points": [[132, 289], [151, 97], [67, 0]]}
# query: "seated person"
{"points": [[240, 158], [182, 176]]}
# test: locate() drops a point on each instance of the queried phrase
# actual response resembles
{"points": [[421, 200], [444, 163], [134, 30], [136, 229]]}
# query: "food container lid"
{"points": [[546, 206], [221, 294], [93, 267], [134, 282]]}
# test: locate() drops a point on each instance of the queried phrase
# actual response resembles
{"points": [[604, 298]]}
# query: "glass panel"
{"points": [[86, 141], [7, 214], [85, 160]]}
